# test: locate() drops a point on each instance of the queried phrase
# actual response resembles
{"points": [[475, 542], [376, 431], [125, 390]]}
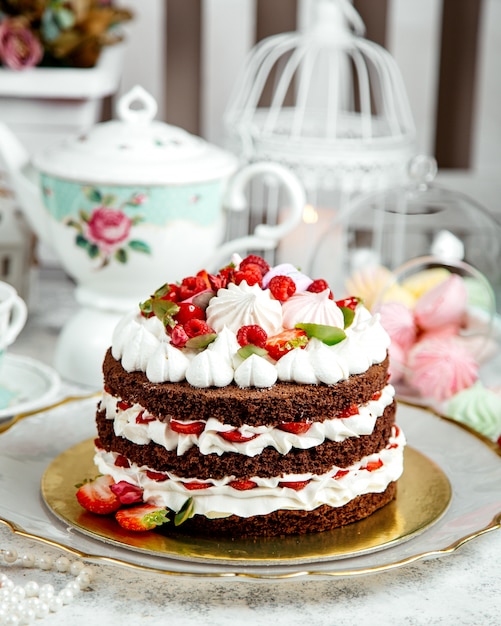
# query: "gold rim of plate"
{"points": [[423, 496]]}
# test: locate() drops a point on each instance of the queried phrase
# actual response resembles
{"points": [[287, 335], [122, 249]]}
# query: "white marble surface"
{"points": [[461, 588]]}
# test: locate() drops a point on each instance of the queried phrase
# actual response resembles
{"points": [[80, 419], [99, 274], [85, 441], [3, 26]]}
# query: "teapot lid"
{"points": [[136, 149]]}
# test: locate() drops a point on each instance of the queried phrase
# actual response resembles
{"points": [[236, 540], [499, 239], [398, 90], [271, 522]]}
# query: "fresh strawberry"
{"points": [[499, 441], [252, 334], [123, 405], [193, 485], [373, 465], [319, 285], [188, 311], [142, 418], [127, 493], [122, 461], [242, 485], [96, 496], [235, 436], [190, 428], [376, 395], [142, 518], [297, 485], [296, 428], [396, 431], [196, 327], [348, 411], [340, 473], [348, 303], [251, 274], [158, 476], [284, 342], [190, 286], [282, 287], [253, 259]]}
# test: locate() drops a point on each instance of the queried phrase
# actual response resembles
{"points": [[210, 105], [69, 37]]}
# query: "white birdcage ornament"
{"points": [[337, 115]]}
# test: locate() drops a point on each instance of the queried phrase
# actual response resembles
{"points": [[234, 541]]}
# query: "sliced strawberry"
{"points": [[158, 476], [242, 485], [282, 287], [296, 428], [376, 395], [141, 418], [340, 473], [373, 465], [142, 518], [348, 303], [123, 405], [297, 485], [187, 428], [194, 485], [127, 493], [348, 411], [122, 461], [96, 496], [284, 342], [235, 436], [396, 431]]}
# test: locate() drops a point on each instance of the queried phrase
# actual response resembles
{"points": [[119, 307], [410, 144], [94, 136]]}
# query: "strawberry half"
{"points": [[190, 428], [96, 496], [284, 342], [242, 485], [142, 518], [296, 428]]}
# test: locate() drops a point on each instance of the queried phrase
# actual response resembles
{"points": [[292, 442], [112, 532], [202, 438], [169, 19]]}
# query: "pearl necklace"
{"points": [[24, 604]]}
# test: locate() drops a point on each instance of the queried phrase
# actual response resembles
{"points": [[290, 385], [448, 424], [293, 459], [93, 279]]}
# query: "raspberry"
{"points": [[348, 303], [194, 328], [252, 334], [253, 259], [190, 286], [319, 285], [251, 274], [282, 287]]}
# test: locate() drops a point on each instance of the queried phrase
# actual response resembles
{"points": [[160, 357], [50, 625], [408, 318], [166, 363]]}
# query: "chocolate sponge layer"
{"points": [[284, 402], [269, 463], [291, 522]]}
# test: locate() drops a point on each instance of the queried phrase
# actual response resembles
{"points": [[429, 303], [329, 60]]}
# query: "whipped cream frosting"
{"points": [[141, 344], [314, 308], [149, 428], [371, 474]]}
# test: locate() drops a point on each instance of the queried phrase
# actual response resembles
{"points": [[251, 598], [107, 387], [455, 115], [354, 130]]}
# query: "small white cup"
{"points": [[13, 314]]}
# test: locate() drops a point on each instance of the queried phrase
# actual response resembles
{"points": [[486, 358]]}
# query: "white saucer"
{"points": [[30, 384]]}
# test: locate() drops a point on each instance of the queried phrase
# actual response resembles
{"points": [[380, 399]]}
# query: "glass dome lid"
{"points": [[420, 219]]}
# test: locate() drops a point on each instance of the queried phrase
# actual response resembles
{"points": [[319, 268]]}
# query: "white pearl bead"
{"points": [[3, 578], [76, 567], [66, 595], [83, 579], [27, 560], [32, 603], [43, 610], [45, 563], [62, 564], [10, 556], [12, 620], [55, 604], [31, 588], [18, 593], [27, 616]]}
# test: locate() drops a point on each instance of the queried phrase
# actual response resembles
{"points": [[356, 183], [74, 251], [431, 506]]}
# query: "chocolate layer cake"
{"points": [[268, 410]]}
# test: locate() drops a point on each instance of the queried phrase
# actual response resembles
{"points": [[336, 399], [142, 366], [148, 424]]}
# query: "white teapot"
{"points": [[135, 201], [129, 205]]}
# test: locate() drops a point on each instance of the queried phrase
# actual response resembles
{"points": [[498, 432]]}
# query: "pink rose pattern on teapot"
{"points": [[105, 232]]}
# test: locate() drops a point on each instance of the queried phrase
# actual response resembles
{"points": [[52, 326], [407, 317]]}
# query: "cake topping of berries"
{"points": [[319, 285], [96, 496], [282, 287], [252, 334], [279, 345]]}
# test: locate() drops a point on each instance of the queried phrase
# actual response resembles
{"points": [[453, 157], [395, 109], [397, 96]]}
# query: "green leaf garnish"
{"points": [[348, 314], [165, 311], [246, 351], [330, 335], [185, 512], [200, 341]]}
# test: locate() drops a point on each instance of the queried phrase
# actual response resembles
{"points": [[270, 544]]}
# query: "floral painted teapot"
{"points": [[134, 200]]}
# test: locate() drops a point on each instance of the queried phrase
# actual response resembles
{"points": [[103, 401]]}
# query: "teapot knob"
{"points": [[141, 114]]}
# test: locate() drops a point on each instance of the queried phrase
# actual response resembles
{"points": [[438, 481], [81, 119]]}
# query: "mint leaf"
{"points": [[330, 335]]}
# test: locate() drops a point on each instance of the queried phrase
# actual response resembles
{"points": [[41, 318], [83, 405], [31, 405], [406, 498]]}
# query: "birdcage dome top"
{"points": [[323, 99]]}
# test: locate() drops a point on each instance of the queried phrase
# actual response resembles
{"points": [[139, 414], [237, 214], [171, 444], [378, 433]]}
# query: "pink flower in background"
{"points": [[19, 48], [108, 228]]}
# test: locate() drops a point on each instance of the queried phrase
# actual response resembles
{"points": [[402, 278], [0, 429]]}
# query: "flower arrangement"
{"points": [[57, 33]]}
